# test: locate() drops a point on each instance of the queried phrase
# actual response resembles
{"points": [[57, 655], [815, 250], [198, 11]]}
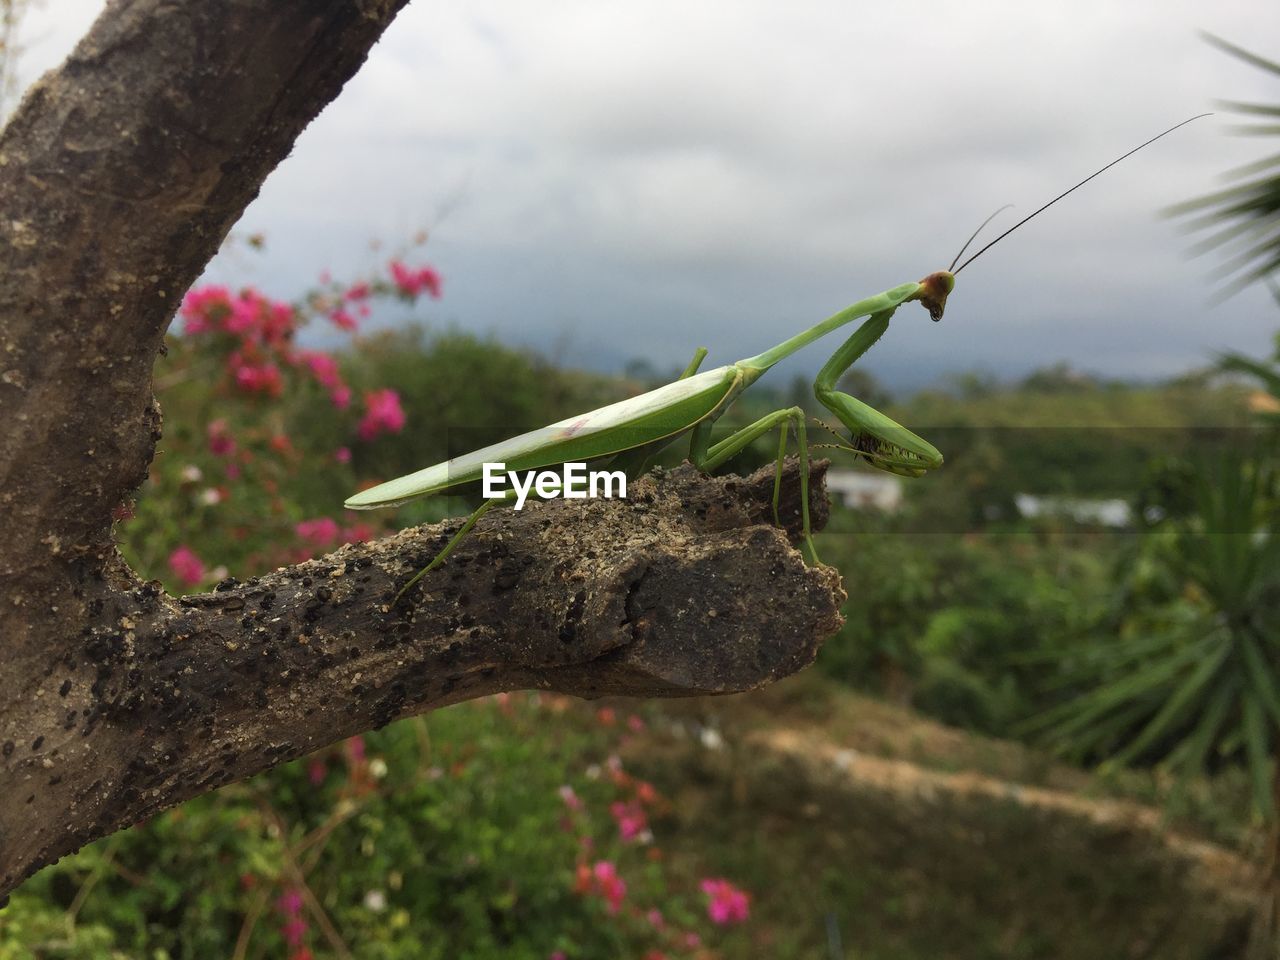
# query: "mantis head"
{"points": [[933, 292]]}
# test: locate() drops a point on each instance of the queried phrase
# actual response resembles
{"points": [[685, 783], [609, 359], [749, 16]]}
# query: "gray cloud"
{"points": [[631, 180]]}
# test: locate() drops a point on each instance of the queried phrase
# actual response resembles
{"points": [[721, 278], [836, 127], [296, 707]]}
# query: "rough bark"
{"points": [[120, 174]]}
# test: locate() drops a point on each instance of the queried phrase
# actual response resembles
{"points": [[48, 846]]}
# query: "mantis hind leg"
{"points": [[452, 545], [879, 440], [707, 457]]}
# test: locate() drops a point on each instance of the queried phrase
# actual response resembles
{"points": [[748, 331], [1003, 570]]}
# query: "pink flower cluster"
{"points": [[247, 314], [186, 566], [325, 532], [633, 804], [383, 414], [726, 904], [221, 443], [264, 331], [411, 283], [602, 880], [629, 813], [292, 927], [322, 533], [261, 332], [631, 820], [324, 368]]}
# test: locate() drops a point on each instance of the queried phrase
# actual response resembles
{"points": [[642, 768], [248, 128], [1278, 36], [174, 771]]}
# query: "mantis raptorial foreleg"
{"points": [[882, 441]]}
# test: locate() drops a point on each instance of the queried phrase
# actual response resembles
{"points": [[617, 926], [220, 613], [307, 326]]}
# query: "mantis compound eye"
{"points": [[934, 290]]}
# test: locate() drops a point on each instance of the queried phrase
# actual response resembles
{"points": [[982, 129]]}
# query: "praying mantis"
{"points": [[633, 430]]}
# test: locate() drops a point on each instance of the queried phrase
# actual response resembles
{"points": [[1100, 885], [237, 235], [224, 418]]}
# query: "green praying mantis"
{"points": [[633, 430]]}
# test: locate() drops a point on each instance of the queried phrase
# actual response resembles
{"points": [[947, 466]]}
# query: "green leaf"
{"points": [[1257, 747], [1173, 710]]}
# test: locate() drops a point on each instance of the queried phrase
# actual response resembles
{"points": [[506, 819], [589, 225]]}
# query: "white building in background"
{"points": [[859, 490], [1104, 513]]}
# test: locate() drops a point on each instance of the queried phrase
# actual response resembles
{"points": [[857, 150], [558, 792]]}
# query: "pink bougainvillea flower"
{"points": [[323, 367], [293, 930], [413, 282], [255, 377], [357, 533], [204, 307], [320, 532], [725, 903], [342, 455], [340, 396], [355, 749], [342, 319], [186, 566], [570, 798], [280, 322], [290, 903], [220, 442], [357, 291], [383, 414], [244, 314], [317, 770], [630, 819], [608, 884]]}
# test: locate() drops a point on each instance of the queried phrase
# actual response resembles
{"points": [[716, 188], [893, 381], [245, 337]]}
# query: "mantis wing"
{"points": [[663, 412]]}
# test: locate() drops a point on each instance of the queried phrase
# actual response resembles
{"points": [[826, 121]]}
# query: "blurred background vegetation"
{"points": [[1046, 645]]}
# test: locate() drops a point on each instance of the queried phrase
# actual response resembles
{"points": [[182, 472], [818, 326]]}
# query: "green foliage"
{"points": [[950, 622], [1190, 678], [445, 837], [1061, 432], [1251, 208], [1265, 406]]}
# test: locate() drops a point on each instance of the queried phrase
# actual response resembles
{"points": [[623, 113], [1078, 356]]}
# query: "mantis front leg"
{"points": [[881, 441], [706, 456]]}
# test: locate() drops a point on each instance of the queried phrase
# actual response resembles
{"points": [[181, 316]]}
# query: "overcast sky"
{"points": [[618, 180]]}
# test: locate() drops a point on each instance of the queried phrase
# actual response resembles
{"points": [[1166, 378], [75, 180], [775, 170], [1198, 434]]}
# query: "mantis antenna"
{"points": [[1072, 190], [973, 236]]}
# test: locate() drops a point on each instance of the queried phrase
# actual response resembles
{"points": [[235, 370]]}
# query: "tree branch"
{"points": [[120, 175], [678, 590]]}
